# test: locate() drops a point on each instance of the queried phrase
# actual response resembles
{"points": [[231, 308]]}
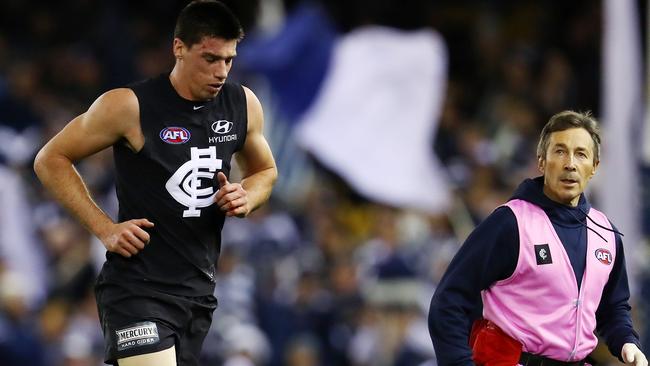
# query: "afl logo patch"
{"points": [[175, 135], [604, 256], [222, 126]]}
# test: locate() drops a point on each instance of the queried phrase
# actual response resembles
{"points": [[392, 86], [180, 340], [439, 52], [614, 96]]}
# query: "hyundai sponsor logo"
{"points": [[222, 126]]}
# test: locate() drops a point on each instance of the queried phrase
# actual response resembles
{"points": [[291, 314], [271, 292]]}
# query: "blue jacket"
{"points": [[490, 254]]}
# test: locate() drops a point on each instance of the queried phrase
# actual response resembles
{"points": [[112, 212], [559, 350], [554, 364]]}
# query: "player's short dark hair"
{"points": [[566, 120], [207, 18]]}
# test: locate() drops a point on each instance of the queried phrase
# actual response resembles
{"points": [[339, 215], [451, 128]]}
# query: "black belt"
{"points": [[529, 359]]}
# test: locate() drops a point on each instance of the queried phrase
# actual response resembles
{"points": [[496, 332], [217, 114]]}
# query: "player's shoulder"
{"points": [[252, 102], [119, 98], [118, 105], [250, 95]]}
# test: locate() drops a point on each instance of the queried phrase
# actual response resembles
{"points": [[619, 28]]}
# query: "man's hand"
{"points": [[232, 198], [632, 355], [127, 238]]}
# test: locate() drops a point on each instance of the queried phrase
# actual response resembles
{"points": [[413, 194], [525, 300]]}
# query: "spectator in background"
{"points": [[19, 119], [20, 343], [19, 246]]}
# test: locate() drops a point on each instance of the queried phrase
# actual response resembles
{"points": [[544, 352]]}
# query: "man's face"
{"points": [[568, 165], [205, 65]]}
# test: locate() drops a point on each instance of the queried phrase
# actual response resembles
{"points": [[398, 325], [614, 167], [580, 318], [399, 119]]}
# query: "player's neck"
{"points": [[181, 88]]}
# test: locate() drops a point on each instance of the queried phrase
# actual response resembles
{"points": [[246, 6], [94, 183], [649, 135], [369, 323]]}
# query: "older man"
{"points": [[548, 268]]}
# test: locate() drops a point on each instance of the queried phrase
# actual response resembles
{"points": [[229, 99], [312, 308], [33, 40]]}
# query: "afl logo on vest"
{"points": [[175, 135], [604, 256]]}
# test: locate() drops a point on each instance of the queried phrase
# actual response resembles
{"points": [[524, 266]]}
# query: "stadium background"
{"points": [[335, 270]]}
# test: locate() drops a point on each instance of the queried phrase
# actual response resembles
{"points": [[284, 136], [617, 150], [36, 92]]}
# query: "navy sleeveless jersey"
{"points": [[172, 182]]}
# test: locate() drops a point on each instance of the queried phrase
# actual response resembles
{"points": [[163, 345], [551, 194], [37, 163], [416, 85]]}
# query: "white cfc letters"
{"points": [[185, 184]]}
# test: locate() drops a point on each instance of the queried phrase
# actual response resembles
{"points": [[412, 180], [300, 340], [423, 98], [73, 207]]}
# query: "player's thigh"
{"points": [[165, 357]]}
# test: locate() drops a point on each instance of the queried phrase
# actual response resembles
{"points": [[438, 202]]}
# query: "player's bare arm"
{"points": [[113, 117], [258, 166]]}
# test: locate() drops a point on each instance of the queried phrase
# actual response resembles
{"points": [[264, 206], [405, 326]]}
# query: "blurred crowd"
{"points": [[321, 275]]}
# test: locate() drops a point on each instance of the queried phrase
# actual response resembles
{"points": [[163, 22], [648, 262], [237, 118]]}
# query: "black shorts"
{"points": [[138, 320]]}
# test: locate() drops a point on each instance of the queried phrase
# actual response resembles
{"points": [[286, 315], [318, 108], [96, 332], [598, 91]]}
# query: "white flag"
{"points": [[375, 118]]}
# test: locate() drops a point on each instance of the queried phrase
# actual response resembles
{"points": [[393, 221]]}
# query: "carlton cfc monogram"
{"points": [[185, 184]]}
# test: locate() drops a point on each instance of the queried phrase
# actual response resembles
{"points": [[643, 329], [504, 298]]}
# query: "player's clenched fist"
{"points": [[127, 238], [231, 198]]}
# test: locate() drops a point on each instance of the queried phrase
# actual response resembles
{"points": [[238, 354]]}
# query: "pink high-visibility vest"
{"points": [[540, 305]]}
